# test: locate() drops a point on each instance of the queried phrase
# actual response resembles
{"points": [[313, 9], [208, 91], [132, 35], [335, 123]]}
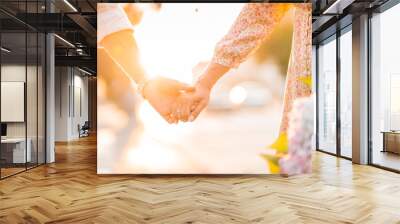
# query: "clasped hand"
{"points": [[176, 101]]}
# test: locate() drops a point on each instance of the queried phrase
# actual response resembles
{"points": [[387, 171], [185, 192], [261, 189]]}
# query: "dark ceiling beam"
{"points": [[337, 7], [91, 5], [78, 61], [335, 16], [56, 22], [85, 51], [83, 23], [321, 22], [17, 19], [11, 25], [332, 29], [86, 27], [49, 22]]}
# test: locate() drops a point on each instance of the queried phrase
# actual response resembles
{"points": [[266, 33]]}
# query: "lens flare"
{"points": [[238, 95]]}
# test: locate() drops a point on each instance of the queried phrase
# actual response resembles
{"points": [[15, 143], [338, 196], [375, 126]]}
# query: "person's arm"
{"points": [[115, 35], [133, 12], [211, 75], [254, 24], [121, 46], [160, 92]]}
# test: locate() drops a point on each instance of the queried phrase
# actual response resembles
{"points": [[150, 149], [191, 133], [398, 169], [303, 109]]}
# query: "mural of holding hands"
{"points": [[180, 102]]}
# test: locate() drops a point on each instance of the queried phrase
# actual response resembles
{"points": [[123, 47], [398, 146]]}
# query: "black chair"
{"points": [[84, 130]]}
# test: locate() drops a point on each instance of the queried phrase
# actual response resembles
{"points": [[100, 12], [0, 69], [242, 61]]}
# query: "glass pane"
{"points": [[346, 94], [31, 97], [14, 153], [327, 96], [386, 89], [31, 86], [22, 67], [41, 98]]}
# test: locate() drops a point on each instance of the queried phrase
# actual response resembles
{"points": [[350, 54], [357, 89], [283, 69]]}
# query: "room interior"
{"points": [[48, 150], [22, 102]]}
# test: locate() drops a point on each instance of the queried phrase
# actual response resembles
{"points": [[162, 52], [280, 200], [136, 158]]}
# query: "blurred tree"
{"points": [[277, 47]]}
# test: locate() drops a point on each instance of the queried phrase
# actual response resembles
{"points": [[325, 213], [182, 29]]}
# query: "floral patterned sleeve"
{"points": [[254, 23]]}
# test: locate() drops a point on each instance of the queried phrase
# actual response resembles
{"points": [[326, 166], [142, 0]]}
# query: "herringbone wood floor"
{"points": [[69, 191]]}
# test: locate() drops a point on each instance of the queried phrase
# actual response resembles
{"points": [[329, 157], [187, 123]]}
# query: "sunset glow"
{"points": [[179, 36]]}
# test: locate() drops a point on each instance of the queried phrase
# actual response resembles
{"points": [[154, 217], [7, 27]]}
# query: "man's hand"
{"points": [[162, 94]]}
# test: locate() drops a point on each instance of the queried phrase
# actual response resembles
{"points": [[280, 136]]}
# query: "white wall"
{"points": [[62, 80], [80, 84], [13, 101], [12, 73], [70, 83], [33, 127]]}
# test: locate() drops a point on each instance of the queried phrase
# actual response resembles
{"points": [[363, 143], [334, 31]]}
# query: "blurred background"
{"points": [[243, 117]]}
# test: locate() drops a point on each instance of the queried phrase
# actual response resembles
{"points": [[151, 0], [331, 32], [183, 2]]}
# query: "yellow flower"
{"points": [[280, 144], [306, 80], [273, 163], [280, 147]]}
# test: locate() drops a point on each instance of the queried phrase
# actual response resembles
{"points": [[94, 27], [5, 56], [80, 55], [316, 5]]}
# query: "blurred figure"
{"points": [[117, 47], [119, 71], [254, 24]]}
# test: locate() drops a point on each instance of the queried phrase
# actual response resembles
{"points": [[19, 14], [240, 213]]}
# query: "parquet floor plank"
{"points": [[70, 191]]}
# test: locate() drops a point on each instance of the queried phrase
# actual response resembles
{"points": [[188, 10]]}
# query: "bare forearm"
{"points": [[122, 48], [212, 74]]}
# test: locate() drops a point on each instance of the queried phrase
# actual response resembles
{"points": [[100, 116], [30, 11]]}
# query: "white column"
{"points": [[50, 92], [50, 99], [360, 90], [63, 101]]}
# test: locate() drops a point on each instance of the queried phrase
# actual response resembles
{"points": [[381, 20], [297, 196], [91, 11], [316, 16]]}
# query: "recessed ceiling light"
{"points": [[5, 50], [84, 71], [70, 5], [65, 41]]}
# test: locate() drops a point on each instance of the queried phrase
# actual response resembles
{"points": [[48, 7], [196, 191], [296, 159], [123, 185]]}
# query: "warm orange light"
{"points": [[179, 36]]}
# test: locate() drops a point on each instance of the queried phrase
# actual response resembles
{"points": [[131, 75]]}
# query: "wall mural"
{"points": [[204, 88]]}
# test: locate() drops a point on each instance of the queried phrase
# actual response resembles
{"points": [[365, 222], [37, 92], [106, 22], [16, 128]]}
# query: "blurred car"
{"points": [[251, 85], [241, 94]]}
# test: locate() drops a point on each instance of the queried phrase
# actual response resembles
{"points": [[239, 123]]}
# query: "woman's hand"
{"points": [[163, 94], [203, 87], [190, 104], [201, 97]]}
